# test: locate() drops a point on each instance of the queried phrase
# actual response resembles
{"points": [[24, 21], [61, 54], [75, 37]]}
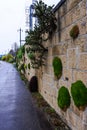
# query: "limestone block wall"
{"points": [[28, 72], [73, 54]]}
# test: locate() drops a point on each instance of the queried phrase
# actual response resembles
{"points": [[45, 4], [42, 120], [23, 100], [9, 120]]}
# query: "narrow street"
{"points": [[16, 108]]}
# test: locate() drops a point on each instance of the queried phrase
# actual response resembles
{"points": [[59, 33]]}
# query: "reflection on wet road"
{"points": [[16, 109]]}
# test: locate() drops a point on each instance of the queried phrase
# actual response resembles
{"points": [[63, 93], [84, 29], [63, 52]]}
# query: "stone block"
{"points": [[85, 116], [80, 43], [82, 62], [72, 4], [80, 75], [71, 118], [63, 22], [49, 70], [72, 58], [49, 60], [63, 34], [84, 126], [83, 8], [62, 83], [55, 50], [64, 60], [67, 76], [50, 51]]}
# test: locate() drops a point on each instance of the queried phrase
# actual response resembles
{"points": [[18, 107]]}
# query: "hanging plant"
{"points": [[57, 66], [79, 94], [74, 32], [63, 99]]}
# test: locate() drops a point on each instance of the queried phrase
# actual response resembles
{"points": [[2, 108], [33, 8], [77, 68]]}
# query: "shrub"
{"points": [[79, 93], [63, 98], [9, 58], [33, 84], [3, 58], [57, 66], [74, 32]]}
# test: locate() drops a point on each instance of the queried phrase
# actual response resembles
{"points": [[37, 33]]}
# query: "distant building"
{"points": [[30, 21]]}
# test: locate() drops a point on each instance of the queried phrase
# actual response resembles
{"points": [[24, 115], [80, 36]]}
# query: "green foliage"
{"points": [[23, 49], [20, 52], [46, 17], [31, 55], [8, 58], [11, 60], [35, 38], [74, 32], [3, 58], [63, 98], [79, 93], [25, 66], [57, 66]]}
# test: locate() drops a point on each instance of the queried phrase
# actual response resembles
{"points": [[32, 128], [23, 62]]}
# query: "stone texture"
{"points": [[72, 58], [73, 54], [80, 75], [82, 64]]}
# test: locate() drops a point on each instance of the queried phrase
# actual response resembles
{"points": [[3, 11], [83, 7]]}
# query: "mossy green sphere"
{"points": [[57, 66], [79, 93], [63, 99]]}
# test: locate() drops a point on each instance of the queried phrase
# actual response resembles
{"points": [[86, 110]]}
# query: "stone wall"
{"points": [[73, 54]]}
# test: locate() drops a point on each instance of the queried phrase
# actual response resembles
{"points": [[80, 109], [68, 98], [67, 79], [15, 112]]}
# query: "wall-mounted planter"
{"points": [[57, 66], [79, 94], [63, 99], [74, 32]]}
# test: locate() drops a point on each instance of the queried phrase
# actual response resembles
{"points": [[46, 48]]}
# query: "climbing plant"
{"points": [[46, 24]]}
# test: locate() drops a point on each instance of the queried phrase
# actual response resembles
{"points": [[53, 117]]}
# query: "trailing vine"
{"points": [[46, 25]]}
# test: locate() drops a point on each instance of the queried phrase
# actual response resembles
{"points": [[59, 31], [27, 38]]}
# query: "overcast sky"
{"points": [[12, 17]]}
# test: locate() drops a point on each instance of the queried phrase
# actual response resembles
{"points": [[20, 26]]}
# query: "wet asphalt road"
{"points": [[16, 108]]}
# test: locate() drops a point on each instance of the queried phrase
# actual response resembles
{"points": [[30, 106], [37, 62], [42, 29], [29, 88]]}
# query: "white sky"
{"points": [[12, 17]]}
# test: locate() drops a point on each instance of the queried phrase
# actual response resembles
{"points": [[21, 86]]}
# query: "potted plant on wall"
{"points": [[57, 66], [74, 32], [63, 99], [79, 94]]}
